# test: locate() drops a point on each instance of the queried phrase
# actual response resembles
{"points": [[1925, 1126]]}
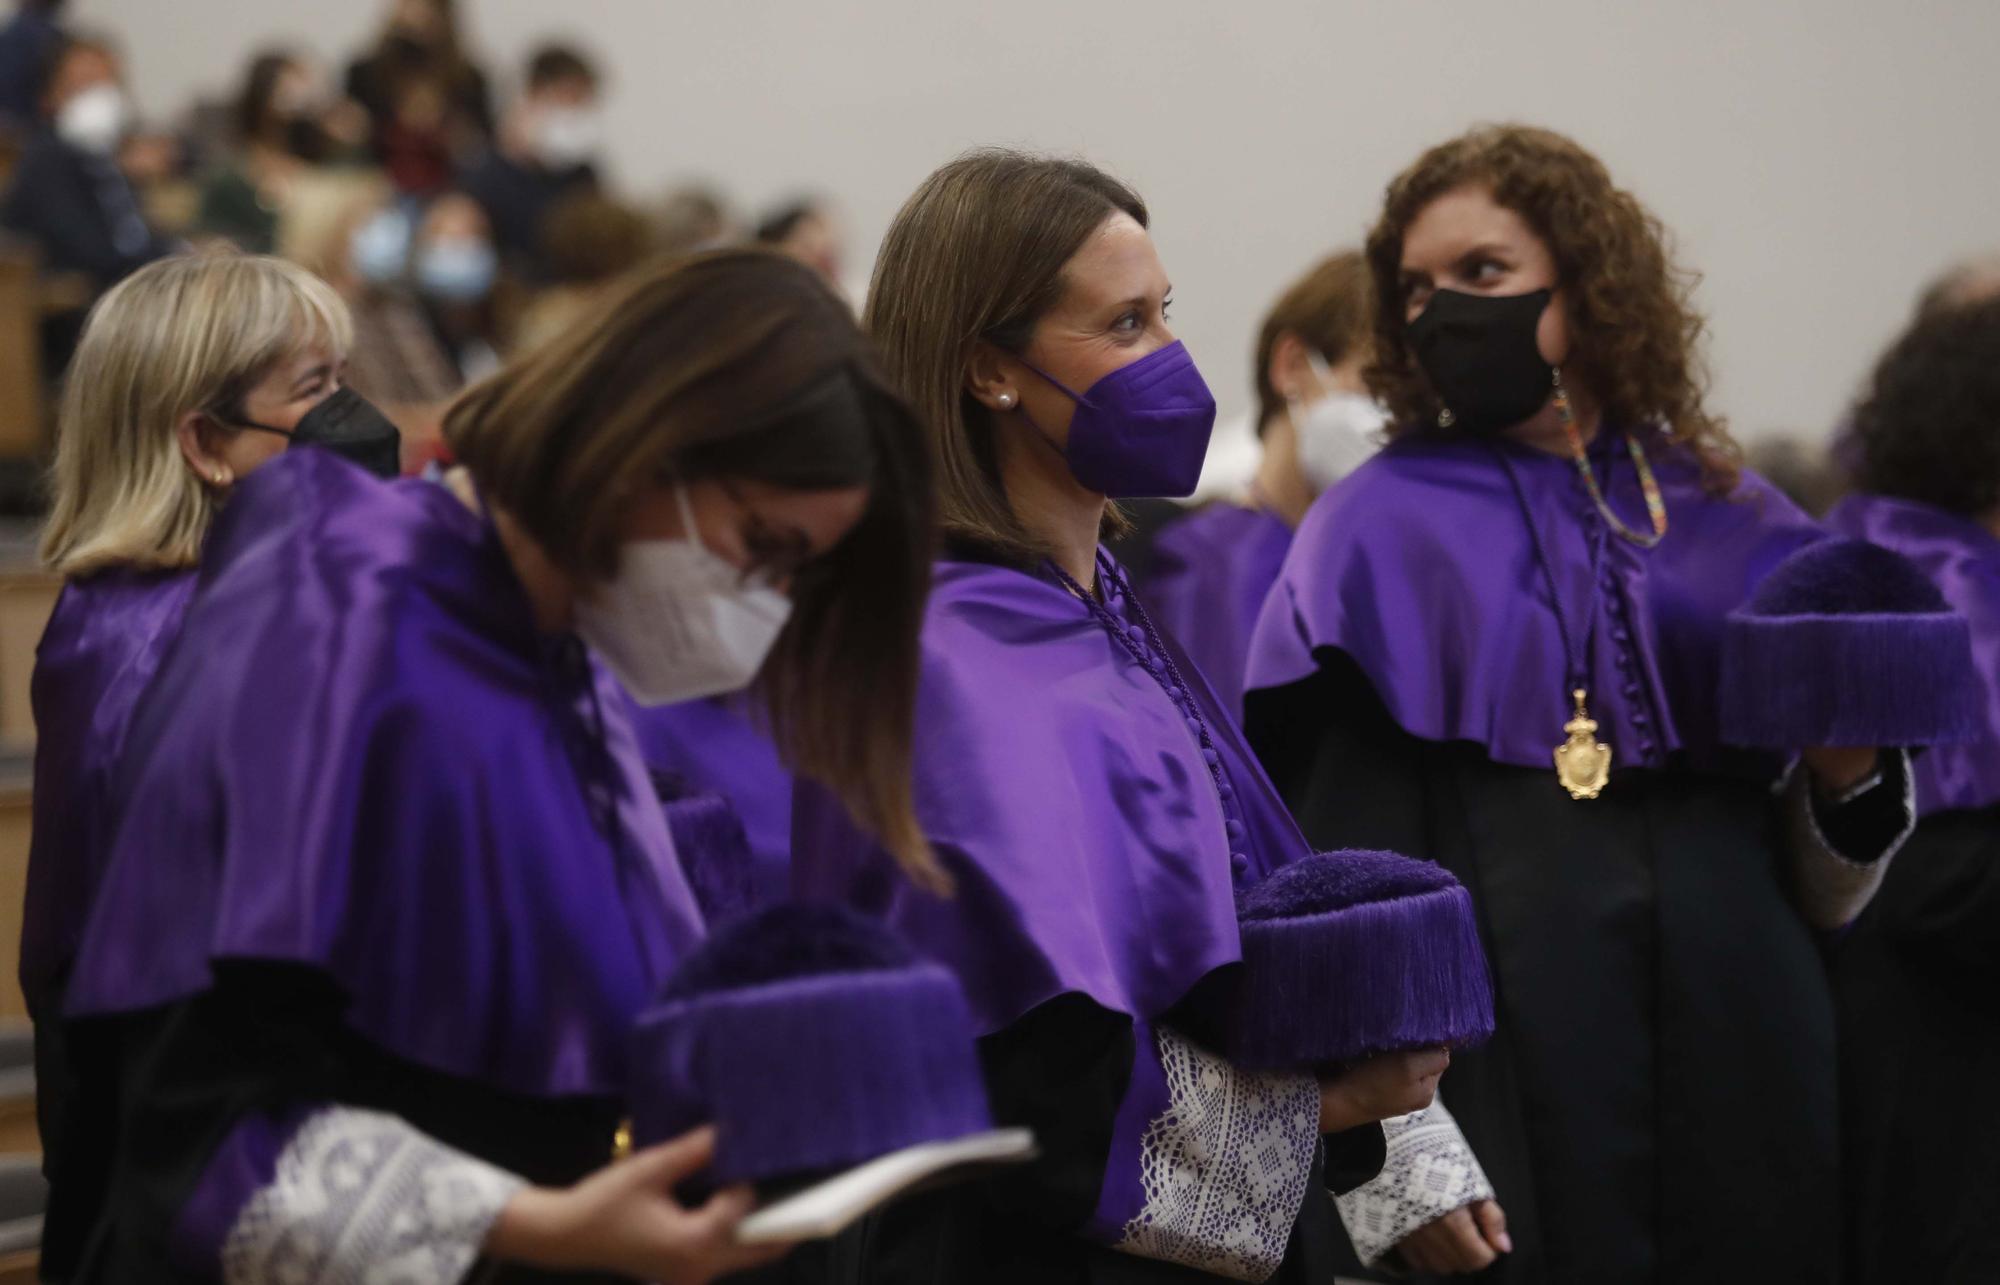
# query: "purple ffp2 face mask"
{"points": [[1142, 430]]}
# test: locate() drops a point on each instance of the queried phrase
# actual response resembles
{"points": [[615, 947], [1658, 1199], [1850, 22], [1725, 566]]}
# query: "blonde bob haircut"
{"points": [[188, 333]]}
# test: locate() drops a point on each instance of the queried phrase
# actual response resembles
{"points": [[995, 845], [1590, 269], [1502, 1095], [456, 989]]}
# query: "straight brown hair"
{"points": [[1331, 309], [739, 364], [977, 253]]}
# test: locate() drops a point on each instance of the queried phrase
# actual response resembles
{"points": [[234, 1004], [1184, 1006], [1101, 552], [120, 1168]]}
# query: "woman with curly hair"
{"points": [[1496, 645], [1915, 978]]}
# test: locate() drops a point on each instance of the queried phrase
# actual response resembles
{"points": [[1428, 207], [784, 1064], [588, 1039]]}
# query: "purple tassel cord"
{"points": [[1348, 955]]}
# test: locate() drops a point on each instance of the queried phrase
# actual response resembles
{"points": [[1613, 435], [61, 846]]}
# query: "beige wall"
{"points": [[1818, 158]]}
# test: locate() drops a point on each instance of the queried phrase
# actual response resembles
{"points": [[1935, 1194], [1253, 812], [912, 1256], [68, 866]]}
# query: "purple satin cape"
{"points": [[1069, 799], [713, 745], [1420, 567], [102, 644], [1210, 575], [363, 758], [1963, 559]]}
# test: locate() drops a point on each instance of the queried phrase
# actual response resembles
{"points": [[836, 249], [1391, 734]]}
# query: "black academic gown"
{"points": [[1659, 1101], [1920, 1060]]}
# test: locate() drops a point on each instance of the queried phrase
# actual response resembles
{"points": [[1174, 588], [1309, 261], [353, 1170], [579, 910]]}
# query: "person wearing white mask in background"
{"points": [[70, 195], [454, 267], [547, 151], [1316, 421]]}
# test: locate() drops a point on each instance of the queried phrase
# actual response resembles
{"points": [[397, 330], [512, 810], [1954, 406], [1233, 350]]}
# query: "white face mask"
{"points": [[565, 137], [95, 120], [678, 623], [1337, 433]]}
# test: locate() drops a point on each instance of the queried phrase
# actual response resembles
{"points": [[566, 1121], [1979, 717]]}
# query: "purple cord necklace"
{"points": [[1143, 643]]}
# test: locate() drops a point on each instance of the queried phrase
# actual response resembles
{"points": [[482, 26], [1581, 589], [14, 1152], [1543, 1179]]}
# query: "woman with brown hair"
{"points": [[1086, 793], [1496, 645], [389, 882], [1316, 421]]}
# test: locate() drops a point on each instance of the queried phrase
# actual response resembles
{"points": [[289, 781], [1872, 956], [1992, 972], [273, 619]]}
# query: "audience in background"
{"points": [[282, 125], [694, 217], [806, 230], [30, 38], [70, 196], [546, 152], [427, 102], [587, 240], [456, 269], [396, 362]]}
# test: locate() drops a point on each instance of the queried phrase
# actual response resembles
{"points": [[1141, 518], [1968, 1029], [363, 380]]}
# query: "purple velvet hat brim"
{"points": [[1888, 679], [812, 1073], [1377, 977]]}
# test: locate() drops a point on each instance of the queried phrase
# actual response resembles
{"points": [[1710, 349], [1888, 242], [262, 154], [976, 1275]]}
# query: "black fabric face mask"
{"points": [[347, 425], [1480, 355]]}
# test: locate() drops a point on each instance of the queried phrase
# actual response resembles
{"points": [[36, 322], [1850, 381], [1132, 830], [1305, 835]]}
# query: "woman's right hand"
{"points": [[1389, 1084], [624, 1219]]}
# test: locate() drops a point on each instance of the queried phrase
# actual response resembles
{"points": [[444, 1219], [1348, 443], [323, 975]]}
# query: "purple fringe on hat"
{"points": [[1847, 643], [814, 1041], [1351, 954]]}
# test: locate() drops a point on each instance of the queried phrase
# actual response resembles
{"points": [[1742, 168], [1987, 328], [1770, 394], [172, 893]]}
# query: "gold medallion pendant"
{"points": [[1583, 763]]}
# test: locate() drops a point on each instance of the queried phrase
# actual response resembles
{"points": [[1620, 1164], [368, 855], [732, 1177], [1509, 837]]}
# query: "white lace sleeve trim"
{"points": [[1429, 1172], [1224, 1171], [360, 1196], [1832, 889]]}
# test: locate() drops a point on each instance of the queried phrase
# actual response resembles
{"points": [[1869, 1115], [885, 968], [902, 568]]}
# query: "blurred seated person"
{"points": [[282, 126], [587, 240], [427, 102], [546, 152], [71, 198], [456, 271], [27, 42], [362, 248], [806, 230], [693, 218]]}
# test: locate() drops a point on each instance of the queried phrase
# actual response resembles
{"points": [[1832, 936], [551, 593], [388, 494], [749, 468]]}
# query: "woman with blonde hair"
{"points": [[191, 374]]}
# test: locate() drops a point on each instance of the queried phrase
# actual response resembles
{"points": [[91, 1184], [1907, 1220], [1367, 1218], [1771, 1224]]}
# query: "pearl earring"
{"points": [[220, 477], [1006, 401]]}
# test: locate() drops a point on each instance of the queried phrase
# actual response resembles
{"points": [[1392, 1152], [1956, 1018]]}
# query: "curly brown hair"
{"points": [[1635, 337], [1926, 422]]}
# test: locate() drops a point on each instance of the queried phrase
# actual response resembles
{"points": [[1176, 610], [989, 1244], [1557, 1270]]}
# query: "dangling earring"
{"points": [[1445, 418]]}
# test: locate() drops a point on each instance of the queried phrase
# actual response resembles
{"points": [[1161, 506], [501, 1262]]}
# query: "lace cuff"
{"points": [[1225, 1169], [1832, 887], [360, 1196], [1430, 1171]]}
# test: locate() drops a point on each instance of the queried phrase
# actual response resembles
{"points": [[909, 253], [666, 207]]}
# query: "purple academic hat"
{"points": [[814, 1039], [1350, 954], [1847, 643]]}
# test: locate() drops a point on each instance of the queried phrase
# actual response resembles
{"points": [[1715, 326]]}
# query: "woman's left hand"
{"points": [[1839, 768]]}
